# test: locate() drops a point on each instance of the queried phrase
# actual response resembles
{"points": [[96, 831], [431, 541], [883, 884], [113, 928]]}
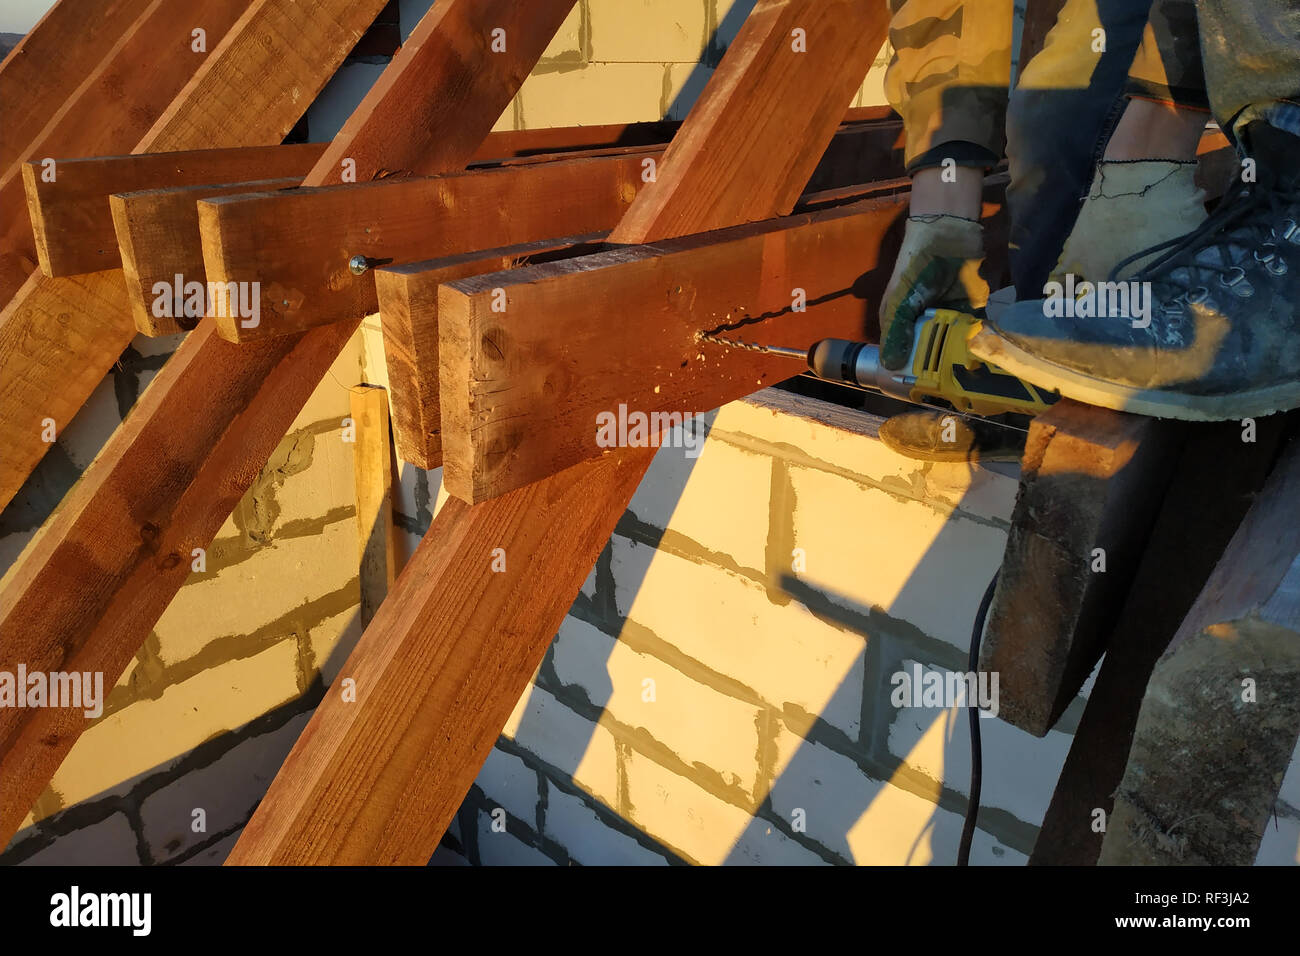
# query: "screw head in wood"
{"points": [[358, 265]]}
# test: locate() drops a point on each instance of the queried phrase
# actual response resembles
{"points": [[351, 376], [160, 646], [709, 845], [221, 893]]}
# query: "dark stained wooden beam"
{"points": [[1090, 488], [1215, 479]]}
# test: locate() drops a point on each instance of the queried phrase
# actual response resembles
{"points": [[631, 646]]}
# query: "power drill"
{"points": [[941, 366]]}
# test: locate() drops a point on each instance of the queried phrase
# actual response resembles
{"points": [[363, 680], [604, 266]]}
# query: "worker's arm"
{"points": [[948, 79]]}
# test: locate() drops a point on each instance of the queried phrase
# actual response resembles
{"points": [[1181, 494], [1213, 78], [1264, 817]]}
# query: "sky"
{"points": [[19, 16]]}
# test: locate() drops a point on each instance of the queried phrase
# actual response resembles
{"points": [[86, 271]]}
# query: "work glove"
{"points": [[937, 267], [1132, 205]]}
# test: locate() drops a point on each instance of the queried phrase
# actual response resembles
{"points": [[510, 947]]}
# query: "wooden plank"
{"points": [[408, 308], [448, 657], [1214, 483], [157, 234], [72, 224], [304, 272], [372, 469], [250, 90], [408, 311], [522, 388], [70, 216], [51, 61], [1221, 716], [112, 108], [86, 594], [261, 239], [397, 208], [1090, 489], [58, 339]]}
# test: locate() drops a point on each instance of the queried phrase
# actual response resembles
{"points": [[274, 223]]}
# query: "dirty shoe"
{"points": [[1132, 206], [1209, 330], [934, 435]]}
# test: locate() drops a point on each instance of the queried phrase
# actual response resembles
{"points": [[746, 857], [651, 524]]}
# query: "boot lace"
{"points": [[1251, 218]]}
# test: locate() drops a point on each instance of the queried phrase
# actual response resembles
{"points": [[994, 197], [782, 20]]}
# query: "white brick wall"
{"points": [[728, 624], [642, 692], [760, 701], [1020, 770], [573, 824]]}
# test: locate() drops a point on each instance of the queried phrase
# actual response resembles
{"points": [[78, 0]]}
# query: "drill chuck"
{"points": [[858, 364]]}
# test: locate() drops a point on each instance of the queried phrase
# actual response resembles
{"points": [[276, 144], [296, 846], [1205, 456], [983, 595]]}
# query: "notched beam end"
{"points": [[1091, 486]]}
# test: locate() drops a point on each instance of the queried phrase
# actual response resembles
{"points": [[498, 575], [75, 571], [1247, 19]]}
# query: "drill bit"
{"points": [[797, 354]]}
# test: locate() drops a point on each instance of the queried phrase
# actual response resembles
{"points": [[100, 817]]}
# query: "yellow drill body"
{"points": [[941, 366]]}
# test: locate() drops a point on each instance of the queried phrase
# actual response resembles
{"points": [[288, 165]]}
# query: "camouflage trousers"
{"points": [[1238, 60]]}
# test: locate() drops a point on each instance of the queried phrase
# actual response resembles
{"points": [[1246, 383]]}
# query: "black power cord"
{"points": [[973, 712]]}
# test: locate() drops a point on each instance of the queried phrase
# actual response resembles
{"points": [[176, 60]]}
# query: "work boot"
{"points": [[1211, 330], [929, 434]]}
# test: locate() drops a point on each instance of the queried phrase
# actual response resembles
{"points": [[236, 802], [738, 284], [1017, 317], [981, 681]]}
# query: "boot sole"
{"points": [[988, 346]]}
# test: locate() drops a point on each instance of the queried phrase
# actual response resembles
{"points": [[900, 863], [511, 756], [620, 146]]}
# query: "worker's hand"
{"points": [[937, 267]]}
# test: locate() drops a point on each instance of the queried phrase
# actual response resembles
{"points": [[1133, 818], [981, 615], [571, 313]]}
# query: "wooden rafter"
{"points": [[49, 63], [442, 664], [86, 593], [59, 337], [112, 108]]}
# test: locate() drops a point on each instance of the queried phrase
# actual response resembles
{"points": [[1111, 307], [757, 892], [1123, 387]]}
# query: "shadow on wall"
{"points": [[829, 779], [830, 787]]}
